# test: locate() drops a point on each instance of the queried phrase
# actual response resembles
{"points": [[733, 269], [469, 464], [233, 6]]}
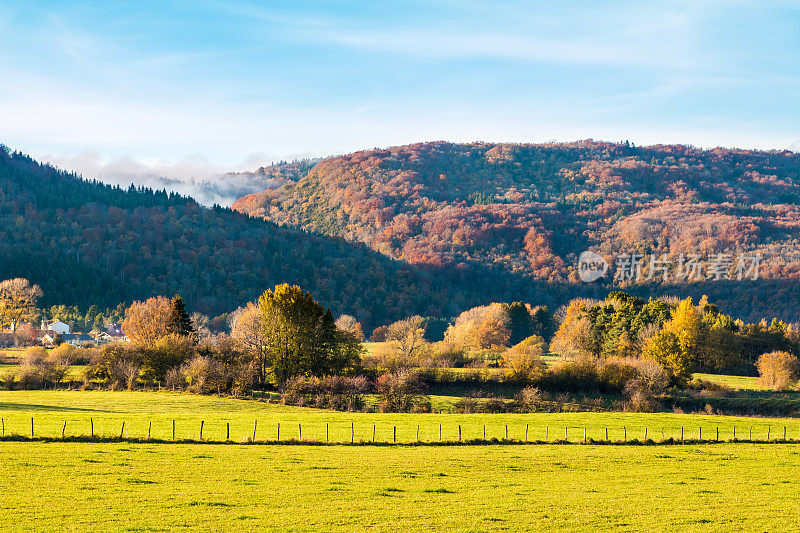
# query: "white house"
{"points": [[55, 325]]}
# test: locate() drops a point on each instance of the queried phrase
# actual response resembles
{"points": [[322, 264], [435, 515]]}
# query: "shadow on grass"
{"points": [[37, 407]]}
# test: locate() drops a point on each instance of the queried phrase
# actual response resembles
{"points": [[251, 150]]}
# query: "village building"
{"points": [[56, 326]]}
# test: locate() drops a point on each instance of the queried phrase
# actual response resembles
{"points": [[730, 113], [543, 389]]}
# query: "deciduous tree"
{"points": [[18, 300], [147, 322]]}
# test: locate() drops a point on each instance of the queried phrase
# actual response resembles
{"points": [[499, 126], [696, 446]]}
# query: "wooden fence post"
{"points": [[122, 430], [784, 432], [751, 433], [417, 432], [662, 433], [255, 426], [526, 432], [31, 427], [584, 435], [299, 431], [3, 423], [701, 433], [201, 429], [681, 433], [769, 429], [440, 432], [565, 434], [91, 422], [279, 431], [645, 433], [227, 431], [63, 428], [624, 434], [394, 433], [734, 432], [506, 431], [484, 432], [173, 429], [327, 434], [373, 432], [606, 434], [352, 432], [459, 433], [717, 439], [149, 427]]}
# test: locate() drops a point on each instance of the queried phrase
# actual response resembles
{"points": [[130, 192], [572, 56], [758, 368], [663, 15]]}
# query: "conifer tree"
{"points": [[179, 322]]}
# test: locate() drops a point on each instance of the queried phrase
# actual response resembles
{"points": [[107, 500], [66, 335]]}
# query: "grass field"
{"points": [[144, 486], [151, 487], [734, 382], [108, 410]]}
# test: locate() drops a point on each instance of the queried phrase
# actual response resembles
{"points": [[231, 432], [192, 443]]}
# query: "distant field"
{"points": [[152, 487], [108, 410], [734, 382], [75, 372]]}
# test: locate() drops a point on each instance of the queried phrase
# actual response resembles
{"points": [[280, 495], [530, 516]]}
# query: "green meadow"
{"points": [[105, 411], [201, 487]]}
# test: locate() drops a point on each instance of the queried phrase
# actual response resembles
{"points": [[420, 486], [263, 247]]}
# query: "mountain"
{"points": [[86, 243], [526, 212]]}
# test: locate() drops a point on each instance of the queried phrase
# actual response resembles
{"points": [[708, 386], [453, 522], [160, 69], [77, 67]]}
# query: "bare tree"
{"points": [[247, 327], [407, 336], [349, 324]]}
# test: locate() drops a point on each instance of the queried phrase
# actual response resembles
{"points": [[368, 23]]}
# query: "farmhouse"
{"points": [[55, 326]]}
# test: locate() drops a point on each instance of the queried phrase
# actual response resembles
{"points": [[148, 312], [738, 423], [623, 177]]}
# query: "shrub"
{"points": [[777, 370], [67, 354], [579, 373], [614, 376], [333, 392], [167, 352], [126, 372], [174, 379], [443, 355], [529, 399], [29, 377], [401, 392], [523, 361], [34, 355], [640, 402], [614, 373], [38, 369], [205, 374], [113, 364]]}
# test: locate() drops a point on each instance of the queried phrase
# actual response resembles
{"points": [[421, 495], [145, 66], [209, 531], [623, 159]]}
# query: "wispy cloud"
{"points": [[186, 92]]}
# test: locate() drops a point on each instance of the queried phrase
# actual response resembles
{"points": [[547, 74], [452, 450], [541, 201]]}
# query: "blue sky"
{"points": [[190, 88]]}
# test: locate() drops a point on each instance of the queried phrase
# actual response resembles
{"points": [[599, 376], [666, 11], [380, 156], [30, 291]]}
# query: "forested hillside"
{"points": [[86, 243], [449, 240], [529, 210]]}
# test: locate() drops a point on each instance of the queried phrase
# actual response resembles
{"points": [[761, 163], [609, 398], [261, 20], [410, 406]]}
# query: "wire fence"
{"points": [[171, 430]]}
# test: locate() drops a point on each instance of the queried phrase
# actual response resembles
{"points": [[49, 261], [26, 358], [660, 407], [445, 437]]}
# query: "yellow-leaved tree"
{"points": [[678, 346]]}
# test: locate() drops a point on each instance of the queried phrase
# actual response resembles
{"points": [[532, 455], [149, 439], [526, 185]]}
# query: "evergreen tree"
{"points": [[520, 322], [179, 322]]}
